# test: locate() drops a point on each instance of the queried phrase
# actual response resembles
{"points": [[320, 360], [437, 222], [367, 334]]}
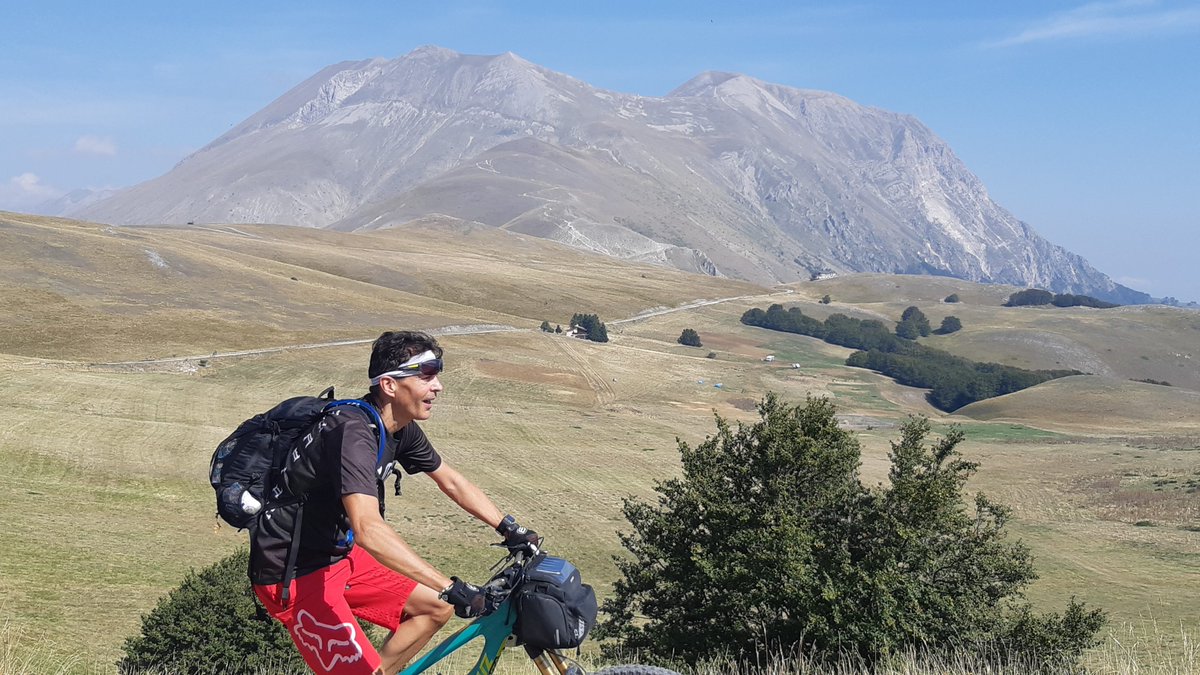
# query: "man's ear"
{"points": [[388, 386]]}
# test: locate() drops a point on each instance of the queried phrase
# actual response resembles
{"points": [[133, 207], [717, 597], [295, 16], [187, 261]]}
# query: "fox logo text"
{"points": [[330, 644]]}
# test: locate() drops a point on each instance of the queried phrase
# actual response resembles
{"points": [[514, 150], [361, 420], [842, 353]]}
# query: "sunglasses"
{"points": [[424, 369]]}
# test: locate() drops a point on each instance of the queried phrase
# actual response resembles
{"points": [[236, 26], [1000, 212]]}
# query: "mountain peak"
{"points": [[432, 53], [703, 84]]}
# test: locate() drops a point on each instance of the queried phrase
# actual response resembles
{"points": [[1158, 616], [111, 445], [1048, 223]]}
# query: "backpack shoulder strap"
{"points": [[380, 429]]}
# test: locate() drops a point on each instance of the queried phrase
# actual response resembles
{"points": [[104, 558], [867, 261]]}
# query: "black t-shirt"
{"points": [[347, 448]]}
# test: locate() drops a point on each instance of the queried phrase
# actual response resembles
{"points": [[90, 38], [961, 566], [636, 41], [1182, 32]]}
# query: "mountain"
{"points": [[73, 201], [726, 175]]}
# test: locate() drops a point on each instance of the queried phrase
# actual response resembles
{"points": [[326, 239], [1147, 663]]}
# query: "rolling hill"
{"points": [[105, 460]]}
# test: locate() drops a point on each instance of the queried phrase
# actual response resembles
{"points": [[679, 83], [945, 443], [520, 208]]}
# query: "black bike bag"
{"points": [[555, 609]]}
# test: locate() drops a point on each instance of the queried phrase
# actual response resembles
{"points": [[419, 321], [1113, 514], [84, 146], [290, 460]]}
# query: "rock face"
{"points": [[725, 175]]}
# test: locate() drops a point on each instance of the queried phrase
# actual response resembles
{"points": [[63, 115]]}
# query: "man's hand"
{"points": [[517, 538], [469, 600]]}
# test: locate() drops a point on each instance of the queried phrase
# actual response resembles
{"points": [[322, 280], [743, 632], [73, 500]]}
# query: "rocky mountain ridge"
{"points": [[725, 175]]}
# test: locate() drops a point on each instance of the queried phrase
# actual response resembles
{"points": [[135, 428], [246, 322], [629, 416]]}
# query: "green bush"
{"points": [[770, 543], [689, 338], [208, 625], [950, 324], [953, 297]]}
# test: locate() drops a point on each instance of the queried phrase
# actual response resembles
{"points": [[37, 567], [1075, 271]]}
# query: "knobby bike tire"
{"points": [[632, 669]]}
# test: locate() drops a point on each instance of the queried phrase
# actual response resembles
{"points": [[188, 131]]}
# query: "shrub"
{"points": [[950, 324], [208, 625], [769, 543], [825, 299], [689, 338], [953, 297], [546, 327]]}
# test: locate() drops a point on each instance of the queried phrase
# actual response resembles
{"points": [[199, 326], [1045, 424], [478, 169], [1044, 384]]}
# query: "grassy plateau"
{"points": [[126, 354]]}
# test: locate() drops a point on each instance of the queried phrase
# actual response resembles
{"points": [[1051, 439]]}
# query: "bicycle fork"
{"points": [[552, 659]]}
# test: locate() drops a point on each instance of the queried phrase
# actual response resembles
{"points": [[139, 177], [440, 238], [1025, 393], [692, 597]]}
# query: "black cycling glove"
{"points": [[469, 600], [517, 538]]}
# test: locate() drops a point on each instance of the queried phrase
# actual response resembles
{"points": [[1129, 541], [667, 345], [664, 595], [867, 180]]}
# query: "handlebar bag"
{"points": [[555, 609]]}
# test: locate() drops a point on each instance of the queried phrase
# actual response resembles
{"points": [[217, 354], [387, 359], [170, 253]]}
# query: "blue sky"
{"points": [[1083, 119]]}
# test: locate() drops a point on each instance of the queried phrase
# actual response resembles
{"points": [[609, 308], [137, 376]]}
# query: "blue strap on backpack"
{"points": [[374, 414], [348, 540]]}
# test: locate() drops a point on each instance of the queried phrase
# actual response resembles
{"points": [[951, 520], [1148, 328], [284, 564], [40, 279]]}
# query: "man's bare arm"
{"points": [[466, 494], [385, 545]]}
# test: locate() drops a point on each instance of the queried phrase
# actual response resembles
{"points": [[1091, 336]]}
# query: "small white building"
{"points": [[769, 358], [795, 366]]}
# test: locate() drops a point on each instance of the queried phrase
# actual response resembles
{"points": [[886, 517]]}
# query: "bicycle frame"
{"points": [[493, 628]]}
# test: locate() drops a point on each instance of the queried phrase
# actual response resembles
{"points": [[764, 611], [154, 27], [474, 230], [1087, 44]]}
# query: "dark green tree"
{"points": [[726, 559], [825, 299], [591, 324], [953, 297], [769, 541], [557, 328], [208, 625], [690, 338], [913, 323], [907, 330], [546, 327], [950, 324]]}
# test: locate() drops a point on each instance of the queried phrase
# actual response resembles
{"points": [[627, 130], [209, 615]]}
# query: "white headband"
{"points": [[404, 369]]}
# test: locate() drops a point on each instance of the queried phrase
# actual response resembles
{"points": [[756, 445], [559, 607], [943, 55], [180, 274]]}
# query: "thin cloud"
{"points": [[1127, 19], [30, 185], [96, 145], [25, 191]]}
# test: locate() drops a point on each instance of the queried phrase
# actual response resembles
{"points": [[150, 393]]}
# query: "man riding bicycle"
{"points": [[348, 562]]}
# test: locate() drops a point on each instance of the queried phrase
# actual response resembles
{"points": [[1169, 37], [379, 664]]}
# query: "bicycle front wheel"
{"points": [[632, 669]]}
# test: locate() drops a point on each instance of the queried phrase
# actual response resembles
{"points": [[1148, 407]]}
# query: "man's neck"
{"points": [[387, 412]]}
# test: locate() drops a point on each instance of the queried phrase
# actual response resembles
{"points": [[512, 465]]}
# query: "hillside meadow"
{"points": [[105, 449]]}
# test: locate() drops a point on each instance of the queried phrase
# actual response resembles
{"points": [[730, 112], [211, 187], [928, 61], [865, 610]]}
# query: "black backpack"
{"points": [[245, 467], [555, 609]]}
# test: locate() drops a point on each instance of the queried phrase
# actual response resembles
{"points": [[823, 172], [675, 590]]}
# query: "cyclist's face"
{"points": [[412, 397]]}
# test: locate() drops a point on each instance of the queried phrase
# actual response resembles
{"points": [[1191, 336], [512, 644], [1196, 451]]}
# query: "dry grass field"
{"points": [[103, 497]]}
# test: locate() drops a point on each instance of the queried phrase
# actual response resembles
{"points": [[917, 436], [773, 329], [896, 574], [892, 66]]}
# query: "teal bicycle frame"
{"points": [[493, 628]]}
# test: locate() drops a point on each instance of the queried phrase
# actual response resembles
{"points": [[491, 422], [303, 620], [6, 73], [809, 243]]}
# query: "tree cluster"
{"points": [[1036, 296], [690, 338], [769, 542], [591, 324], [953, 381]]}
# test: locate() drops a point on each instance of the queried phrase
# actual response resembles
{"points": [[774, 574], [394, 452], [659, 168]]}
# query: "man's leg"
{"points": [[389, 599], [322, 624], [424, 615]]}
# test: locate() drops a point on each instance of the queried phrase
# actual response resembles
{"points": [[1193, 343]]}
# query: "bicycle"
{"points": [[497, 630]]}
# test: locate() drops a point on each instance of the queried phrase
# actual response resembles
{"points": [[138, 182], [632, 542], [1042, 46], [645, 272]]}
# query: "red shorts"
{"points": [[320, 617]]}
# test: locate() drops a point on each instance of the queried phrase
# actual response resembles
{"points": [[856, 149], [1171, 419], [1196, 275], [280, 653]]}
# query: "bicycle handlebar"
{"points": [[514, 568]]}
